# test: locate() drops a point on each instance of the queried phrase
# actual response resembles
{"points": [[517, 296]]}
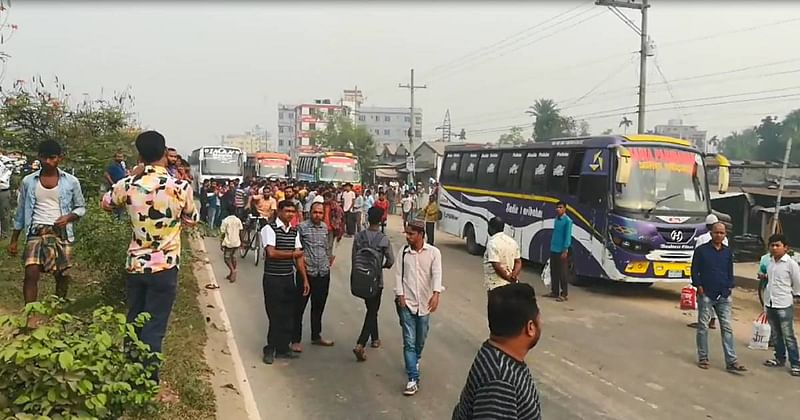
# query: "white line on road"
{"points": [[241, 375]]}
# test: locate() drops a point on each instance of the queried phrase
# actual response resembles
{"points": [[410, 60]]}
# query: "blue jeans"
{"points": [[722, 307], [415, 330], [782, 323]]}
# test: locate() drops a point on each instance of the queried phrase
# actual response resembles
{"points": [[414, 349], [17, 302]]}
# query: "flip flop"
{"points": [[703, 364], [734, 368], [212, 286]]}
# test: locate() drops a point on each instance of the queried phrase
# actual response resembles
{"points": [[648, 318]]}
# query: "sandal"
{"points": [[561, 299], [795, 371], [703, 364], [774, 363], [361, 355], [375, 344], [212, 286], [735, 367]]}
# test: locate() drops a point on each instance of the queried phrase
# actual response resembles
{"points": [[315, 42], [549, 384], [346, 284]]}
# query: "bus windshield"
{"points": [[339, 169], [663, 180], [220, 161], [272, 167]]}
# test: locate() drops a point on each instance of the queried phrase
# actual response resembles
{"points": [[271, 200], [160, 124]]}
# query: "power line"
{"points": [[669, 87], [735, 31], [625, 19]]}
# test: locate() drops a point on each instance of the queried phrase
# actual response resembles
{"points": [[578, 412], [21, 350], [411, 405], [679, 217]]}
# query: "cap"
{"points": [[711, 219], [417, 224], [318, 199]]}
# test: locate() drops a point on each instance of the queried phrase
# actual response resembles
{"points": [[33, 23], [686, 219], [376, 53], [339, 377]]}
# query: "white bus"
{"points": [[216, 162]]}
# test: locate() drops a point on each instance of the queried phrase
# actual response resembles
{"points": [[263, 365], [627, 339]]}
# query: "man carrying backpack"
{"points": [[372, 252]]}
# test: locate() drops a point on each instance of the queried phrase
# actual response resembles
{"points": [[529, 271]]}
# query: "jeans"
{"points": [[430, 228], [279, 301], [415, 331], [558, 275], [350, 222], [318, 296], [153, 293], [781, 320], [5, 212], [370, 328], [212, 216], [722, 306]]}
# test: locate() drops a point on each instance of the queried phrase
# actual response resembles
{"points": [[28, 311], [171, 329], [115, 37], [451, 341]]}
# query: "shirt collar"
{"points": [[38, 173], [154, 169], [425, 246], [784, 258], [279, 223]]}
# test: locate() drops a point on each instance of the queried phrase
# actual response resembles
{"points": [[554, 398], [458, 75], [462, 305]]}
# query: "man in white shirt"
{"points": [[417, 288], [501, 261], [5, 198], [704, 239], [783, 287], [348, 205], [407, 203]]}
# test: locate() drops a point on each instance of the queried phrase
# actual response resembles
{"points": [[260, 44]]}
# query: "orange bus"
{"points": [[269, 165]]}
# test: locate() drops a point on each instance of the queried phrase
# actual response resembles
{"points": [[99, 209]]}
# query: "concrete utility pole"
{"points": [[644, 49], [411, 165], [782, 182]]}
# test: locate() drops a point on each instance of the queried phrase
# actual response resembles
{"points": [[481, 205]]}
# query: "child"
{"points": [[230, 241]]}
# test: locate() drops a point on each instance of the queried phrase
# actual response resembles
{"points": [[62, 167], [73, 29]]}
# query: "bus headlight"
{"points": [[629, 245]]}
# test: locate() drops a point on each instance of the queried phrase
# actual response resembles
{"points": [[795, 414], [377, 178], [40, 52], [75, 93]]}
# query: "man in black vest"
{"points": [[284, 255]]}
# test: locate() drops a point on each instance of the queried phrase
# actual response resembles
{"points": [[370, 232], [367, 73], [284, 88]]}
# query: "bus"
{"points": [[268, 165], [637, 202], [216, 162], [335, 167]]}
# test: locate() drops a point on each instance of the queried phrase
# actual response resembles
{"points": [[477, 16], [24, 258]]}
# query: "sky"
{"points": [[199, 70]]}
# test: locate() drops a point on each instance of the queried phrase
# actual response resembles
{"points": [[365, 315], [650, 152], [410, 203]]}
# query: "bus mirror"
{"points": [[623, 165], [724, 174]]}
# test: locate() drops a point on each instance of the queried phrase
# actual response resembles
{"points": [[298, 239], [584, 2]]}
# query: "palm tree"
{"points": [[625, 123], [548, 123]]}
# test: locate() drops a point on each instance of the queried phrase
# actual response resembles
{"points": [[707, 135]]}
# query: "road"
{"points": [[612, 351]]}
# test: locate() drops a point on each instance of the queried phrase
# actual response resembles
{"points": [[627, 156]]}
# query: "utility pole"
{"points": [[411, 165], [783, 181], [643, 51]]}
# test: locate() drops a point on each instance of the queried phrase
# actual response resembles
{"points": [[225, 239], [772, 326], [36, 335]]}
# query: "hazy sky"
{"points": [[202, 69]]}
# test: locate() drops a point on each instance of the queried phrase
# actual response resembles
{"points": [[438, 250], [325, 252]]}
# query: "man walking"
{"points": [[5, 199], [284, 255], [502, 263], [348, 205], [158, 205], [50, 201], [383, 204], [499, 384], [431, 214], [560, 244], [712, 275], [407, 206], [317, 253], [783, 287], [372, 238], [417, 288], [704, 239]]}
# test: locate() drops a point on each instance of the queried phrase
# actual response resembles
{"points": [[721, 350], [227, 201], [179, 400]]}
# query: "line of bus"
{"points": [[637, 202], [216, 162], [334, 167], [268, 165]]}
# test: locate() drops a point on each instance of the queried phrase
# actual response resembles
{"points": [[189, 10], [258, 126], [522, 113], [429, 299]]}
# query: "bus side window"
{"points": [[558, 172], [510, 171], [594, 191], [469, 168], [450, 168], [576, 161], [487, 170]]}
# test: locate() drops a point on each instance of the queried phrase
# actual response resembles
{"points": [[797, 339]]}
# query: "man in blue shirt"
{"points": [[116, 170], [712, 275], [560, 243]]}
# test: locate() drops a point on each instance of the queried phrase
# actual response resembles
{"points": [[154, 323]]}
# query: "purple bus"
{"points": [[637, 201]]}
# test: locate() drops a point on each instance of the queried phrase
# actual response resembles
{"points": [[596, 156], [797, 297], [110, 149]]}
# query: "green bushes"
{"points": [[73, 368]]}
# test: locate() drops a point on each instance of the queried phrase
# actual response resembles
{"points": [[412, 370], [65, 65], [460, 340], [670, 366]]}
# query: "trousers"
{"points": [[279, 302], [320, 285]]}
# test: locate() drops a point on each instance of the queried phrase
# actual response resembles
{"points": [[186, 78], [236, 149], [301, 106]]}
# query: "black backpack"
{"points": [[366, 271]]}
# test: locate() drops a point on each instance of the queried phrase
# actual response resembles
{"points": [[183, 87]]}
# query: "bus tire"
{"points": [[472, 245]]}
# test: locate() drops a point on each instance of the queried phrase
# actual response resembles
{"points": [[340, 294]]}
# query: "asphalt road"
{"points": [[612, 351]]}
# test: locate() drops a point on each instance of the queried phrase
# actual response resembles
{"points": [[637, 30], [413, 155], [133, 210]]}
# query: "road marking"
{"points": [[250, 405]]}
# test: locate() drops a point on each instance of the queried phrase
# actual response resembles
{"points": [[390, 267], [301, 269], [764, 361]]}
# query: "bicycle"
{"points": [[251, 237]]}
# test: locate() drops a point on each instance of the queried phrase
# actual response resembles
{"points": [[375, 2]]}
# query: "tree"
{"points": [[341, 135], [607, 132], [772, 145], [740, 146], [549, 123], [625, 123], [513, 137], [584, 128]]}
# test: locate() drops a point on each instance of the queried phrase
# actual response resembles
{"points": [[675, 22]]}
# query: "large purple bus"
{"points": [[637, 201]]}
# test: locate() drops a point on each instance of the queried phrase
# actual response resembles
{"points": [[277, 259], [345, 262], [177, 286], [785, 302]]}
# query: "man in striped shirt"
{"points": [[499, 385]]}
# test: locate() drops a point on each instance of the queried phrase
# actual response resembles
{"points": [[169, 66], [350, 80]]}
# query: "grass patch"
{"points": [[92, 285]]}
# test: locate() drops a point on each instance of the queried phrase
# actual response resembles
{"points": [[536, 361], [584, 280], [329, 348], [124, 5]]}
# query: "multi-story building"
{"points": [[250, 142], [287, 136], [311, 117], [675, 128], [389, 124]]}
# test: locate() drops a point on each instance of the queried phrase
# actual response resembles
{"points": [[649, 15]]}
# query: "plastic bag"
{"points": [[546, 274], [688, 298], [761, 333]]}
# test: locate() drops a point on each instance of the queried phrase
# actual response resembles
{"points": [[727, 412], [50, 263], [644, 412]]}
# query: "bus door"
{"points": [[593, 190]]}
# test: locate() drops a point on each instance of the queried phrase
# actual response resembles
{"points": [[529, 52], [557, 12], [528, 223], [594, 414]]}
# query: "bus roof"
{"points": [[588, 142], [272, 155], [323, 154]]}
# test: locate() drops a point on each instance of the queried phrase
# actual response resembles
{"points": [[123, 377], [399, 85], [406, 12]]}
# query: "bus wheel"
{"points": [[472, 245]]}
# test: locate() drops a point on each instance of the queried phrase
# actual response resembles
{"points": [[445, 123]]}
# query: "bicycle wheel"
{"points": [[245, 243], [257, 251]]}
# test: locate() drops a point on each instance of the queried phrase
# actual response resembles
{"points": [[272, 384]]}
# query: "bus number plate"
{"points": [[675, 274]]}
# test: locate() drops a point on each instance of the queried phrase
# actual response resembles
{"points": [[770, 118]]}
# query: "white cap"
{"points": [[711, 219], [318, 199]]}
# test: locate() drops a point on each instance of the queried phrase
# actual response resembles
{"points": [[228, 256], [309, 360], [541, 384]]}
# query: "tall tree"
{"points": [[584, 128], [791, 130], [740, 145], [625, 122], [513, 137], [772, 145], [549, 123], [341, 135]]}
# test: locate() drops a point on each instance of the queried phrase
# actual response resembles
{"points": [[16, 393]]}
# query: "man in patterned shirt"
{"points": [[159, 205], [499, 385]]}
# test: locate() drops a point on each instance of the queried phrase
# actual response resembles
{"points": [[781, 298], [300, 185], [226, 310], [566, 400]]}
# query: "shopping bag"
{"points": [[688, 298], [546, 274], [761, 333]]}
